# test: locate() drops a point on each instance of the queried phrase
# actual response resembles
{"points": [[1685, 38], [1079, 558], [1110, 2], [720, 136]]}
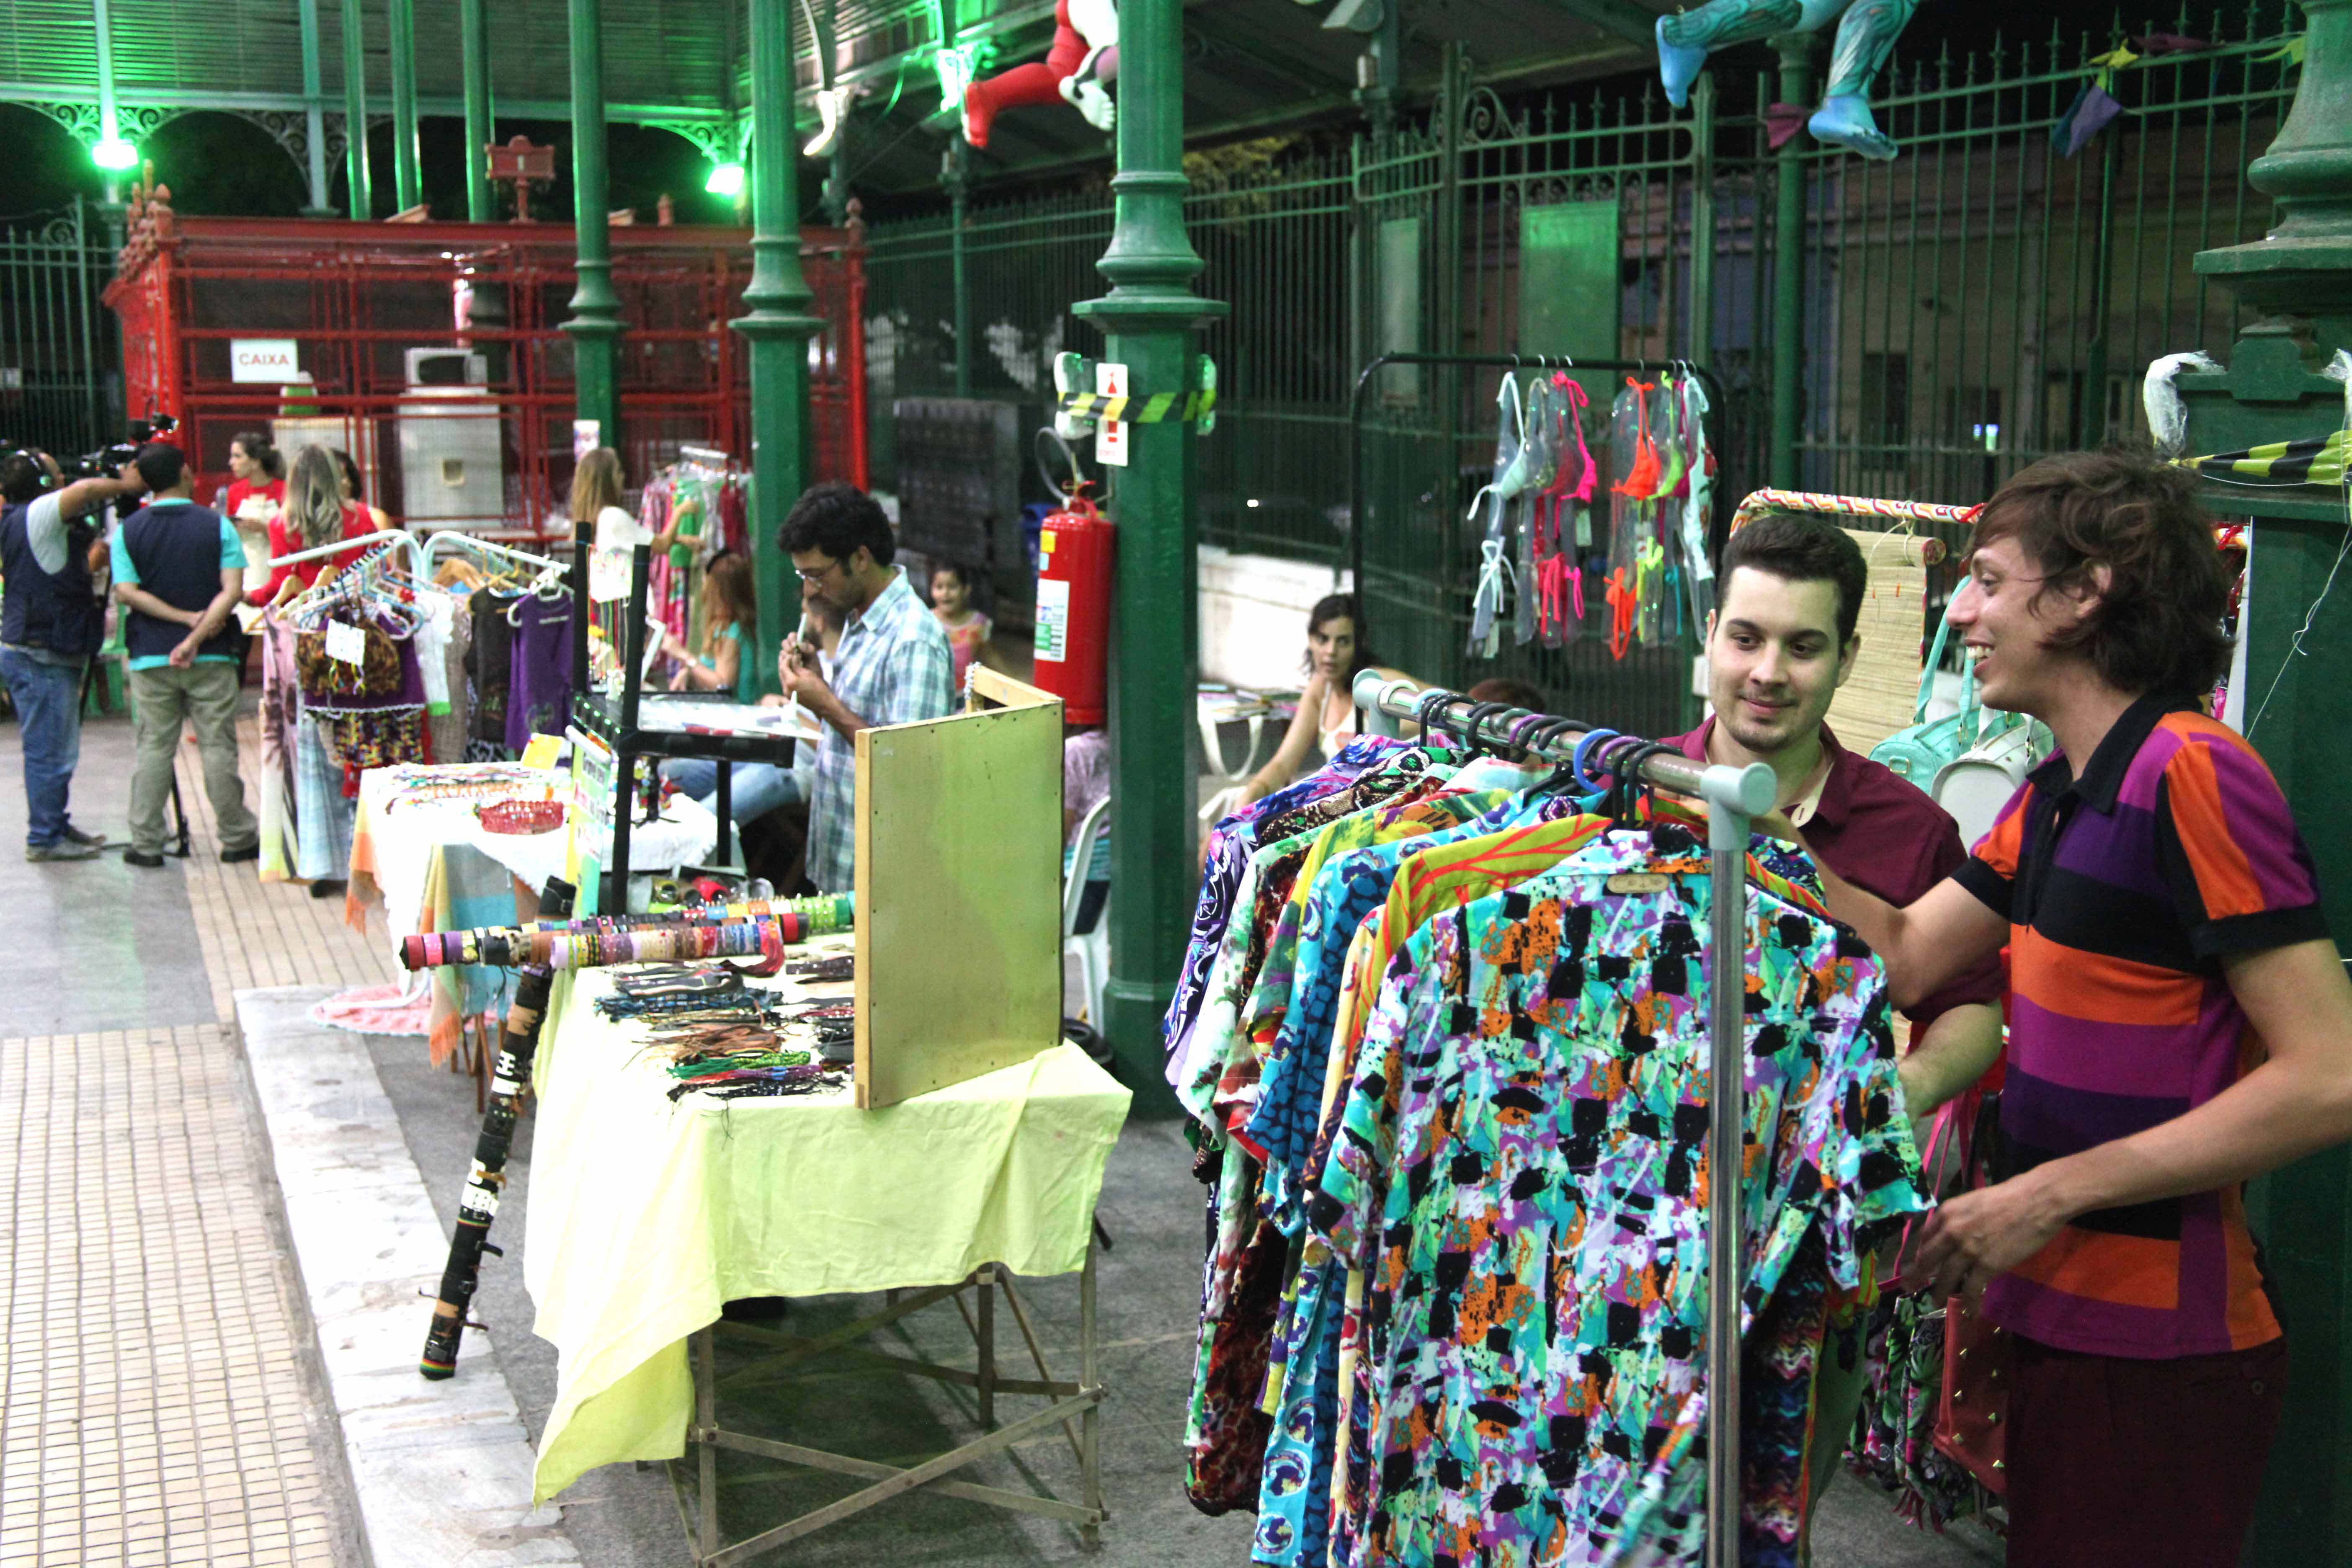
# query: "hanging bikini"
{"points": [[1558, 524], [1511, 474]]}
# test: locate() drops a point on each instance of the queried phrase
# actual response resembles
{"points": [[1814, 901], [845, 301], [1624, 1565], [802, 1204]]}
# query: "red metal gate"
{"points": [[434, 356]]}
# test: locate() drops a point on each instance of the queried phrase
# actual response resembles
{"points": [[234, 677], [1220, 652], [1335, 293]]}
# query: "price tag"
{"points": [[346, 643]]}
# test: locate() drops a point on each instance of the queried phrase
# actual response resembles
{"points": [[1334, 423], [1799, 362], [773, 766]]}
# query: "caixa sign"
{"points": [[262, 359]]}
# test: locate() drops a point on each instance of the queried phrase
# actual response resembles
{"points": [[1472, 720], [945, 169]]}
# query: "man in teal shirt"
{"points": [[179, 572]]}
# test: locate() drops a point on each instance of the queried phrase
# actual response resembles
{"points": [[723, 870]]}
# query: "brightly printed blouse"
{"points": [[1519, 1177]]}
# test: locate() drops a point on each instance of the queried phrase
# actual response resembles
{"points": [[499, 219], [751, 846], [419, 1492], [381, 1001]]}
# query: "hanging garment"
{"points": [[1543, 468], [491, 667], [1512, 470], [539, 669], [1230, 844], [281, 723], [447, 727], [1699, 568], [1478, 1434]]}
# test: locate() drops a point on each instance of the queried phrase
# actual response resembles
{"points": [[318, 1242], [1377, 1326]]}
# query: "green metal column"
{"points": [[1788, 270], [1149, 317], [779, 327], [408, 176], [595, 321], [2298, 283], [955, 174], [314, 114], [474, 30], [355, 158]]}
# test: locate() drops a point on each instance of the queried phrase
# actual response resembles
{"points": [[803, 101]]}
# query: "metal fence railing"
{"points": [[1980, 301], [61, 385]]}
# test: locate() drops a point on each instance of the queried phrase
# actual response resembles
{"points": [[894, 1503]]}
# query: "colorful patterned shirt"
{"points": [[2124, 890], [1230, 844], [890, 669], [1520, 1174]]}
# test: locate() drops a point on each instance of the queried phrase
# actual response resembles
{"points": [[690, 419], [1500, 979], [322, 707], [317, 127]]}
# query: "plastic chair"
{"points": [[1212, 746], [1092, 950]]}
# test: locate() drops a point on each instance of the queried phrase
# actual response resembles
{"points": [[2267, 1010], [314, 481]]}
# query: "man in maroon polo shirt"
{"points": [[1779, 645]]}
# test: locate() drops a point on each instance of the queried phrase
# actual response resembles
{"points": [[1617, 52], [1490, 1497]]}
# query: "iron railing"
{"points": [[1976, 303], [60, 381]]}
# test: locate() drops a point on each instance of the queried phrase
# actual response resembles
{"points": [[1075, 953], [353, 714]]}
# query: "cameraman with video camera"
{"points": [[51, 621]]}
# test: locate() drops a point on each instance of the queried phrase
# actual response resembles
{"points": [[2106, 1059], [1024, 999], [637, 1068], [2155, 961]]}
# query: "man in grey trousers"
{"points": [[179, 572]]}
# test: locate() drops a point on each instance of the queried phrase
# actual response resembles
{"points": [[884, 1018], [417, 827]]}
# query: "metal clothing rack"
{"points": [[1733, 797], [1364, 378]]}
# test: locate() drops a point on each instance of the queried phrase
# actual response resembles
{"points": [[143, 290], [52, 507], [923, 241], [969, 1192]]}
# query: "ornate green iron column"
{"points": [[2299, 281], [779, 327], [1788, 270], [407, 175], [1149, 317], [474, 30], [595, 321], [355, 158]]}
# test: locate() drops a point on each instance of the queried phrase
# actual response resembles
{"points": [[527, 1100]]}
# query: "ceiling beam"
{"points": [[1617, 18]]}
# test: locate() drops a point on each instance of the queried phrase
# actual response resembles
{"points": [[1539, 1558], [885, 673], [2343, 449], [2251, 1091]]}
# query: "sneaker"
{"points": [[63, 849], [78, 837], [134, 857], [231, 856], [327, 888]]}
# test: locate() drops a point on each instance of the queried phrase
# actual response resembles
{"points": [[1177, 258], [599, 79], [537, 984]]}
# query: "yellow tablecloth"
{"points": [[645, 1216]]}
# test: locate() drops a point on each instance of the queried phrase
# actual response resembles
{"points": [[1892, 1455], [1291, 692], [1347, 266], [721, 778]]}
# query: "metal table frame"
{"points": [[1078, 1402]]}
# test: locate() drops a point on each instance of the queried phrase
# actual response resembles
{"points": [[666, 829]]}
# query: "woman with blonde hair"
{"points": [[316, 514]]}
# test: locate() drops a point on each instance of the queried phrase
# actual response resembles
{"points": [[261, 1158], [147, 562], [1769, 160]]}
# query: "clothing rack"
{"points": [[372, 549], [1365, 377], [549, 568], [1733, 796]]}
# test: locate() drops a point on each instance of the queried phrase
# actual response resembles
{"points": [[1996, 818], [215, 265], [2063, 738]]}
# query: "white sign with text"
{"points": [[263, 359]]}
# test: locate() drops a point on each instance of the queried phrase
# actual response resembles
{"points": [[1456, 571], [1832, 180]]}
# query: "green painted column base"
{"points": [[1132, 1012]]}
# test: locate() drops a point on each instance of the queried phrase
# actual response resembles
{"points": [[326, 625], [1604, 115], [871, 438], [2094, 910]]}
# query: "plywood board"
{"points": [[959, 858], [1878, 699]]}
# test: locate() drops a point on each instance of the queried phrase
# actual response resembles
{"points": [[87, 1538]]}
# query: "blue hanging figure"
{"points": [[1865, 37]]}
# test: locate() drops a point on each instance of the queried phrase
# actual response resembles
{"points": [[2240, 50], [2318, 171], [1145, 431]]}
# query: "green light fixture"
{"points": [[725, 180], [114, 152]]}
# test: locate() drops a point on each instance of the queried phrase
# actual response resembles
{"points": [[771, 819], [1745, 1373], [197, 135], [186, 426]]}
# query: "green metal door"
{"points": [[60, 365]]}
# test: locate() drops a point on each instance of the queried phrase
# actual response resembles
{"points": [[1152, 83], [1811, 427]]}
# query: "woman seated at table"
{"points": [[730, 610], [1326, 720]]}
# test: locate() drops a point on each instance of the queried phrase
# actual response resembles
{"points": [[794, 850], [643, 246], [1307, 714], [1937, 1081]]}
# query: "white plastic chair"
{"points": [[1092, 950], [1212, 745]]}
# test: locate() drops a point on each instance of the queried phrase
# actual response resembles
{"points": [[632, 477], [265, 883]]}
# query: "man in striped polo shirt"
{"points": [[2179, 1023]]}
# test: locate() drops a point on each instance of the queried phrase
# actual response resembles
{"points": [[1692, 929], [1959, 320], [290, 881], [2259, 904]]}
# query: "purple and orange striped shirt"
{"points": [[2125, 889]]}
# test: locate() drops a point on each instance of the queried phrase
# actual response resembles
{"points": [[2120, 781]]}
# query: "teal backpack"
{"points": [[1920, 753]]}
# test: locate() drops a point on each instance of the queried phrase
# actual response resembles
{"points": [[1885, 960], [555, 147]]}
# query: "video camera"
{"points": [[108, 461]]}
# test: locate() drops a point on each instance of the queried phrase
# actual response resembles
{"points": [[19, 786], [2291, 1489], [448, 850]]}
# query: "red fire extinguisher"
{"points": [[1074, 587]]}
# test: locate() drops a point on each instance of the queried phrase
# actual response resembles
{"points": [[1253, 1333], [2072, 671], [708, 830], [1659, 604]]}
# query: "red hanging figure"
{"points": [[1084, 57]]}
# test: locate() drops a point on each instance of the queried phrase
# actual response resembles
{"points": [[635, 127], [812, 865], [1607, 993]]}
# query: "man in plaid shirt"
{"points": [[893, 666]]}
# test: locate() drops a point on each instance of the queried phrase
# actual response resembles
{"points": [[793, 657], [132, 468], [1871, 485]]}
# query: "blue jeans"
{"points": [[754, 789], [48, 711]]}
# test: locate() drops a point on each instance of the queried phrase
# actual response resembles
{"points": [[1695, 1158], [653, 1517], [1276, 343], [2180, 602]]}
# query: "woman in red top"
{"points": [[255, 493], [316, 514]]}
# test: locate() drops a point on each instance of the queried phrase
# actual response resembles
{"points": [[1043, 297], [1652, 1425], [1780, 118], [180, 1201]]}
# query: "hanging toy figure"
{"points": [[1866, 33], [1084, 59]]}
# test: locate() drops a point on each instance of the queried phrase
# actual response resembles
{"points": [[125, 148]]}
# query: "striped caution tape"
{"points": [[1152, 410]]}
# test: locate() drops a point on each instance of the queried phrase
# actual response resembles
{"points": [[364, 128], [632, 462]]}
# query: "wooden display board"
{"points": [[959, 869], [1878, 699]]}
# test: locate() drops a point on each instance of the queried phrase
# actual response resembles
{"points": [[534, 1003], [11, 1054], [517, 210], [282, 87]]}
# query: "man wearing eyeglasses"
{"points": [[893, 666]]}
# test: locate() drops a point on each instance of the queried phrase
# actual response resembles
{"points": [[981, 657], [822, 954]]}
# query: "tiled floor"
{"points": [[161, 1405], [156, 1411]]}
